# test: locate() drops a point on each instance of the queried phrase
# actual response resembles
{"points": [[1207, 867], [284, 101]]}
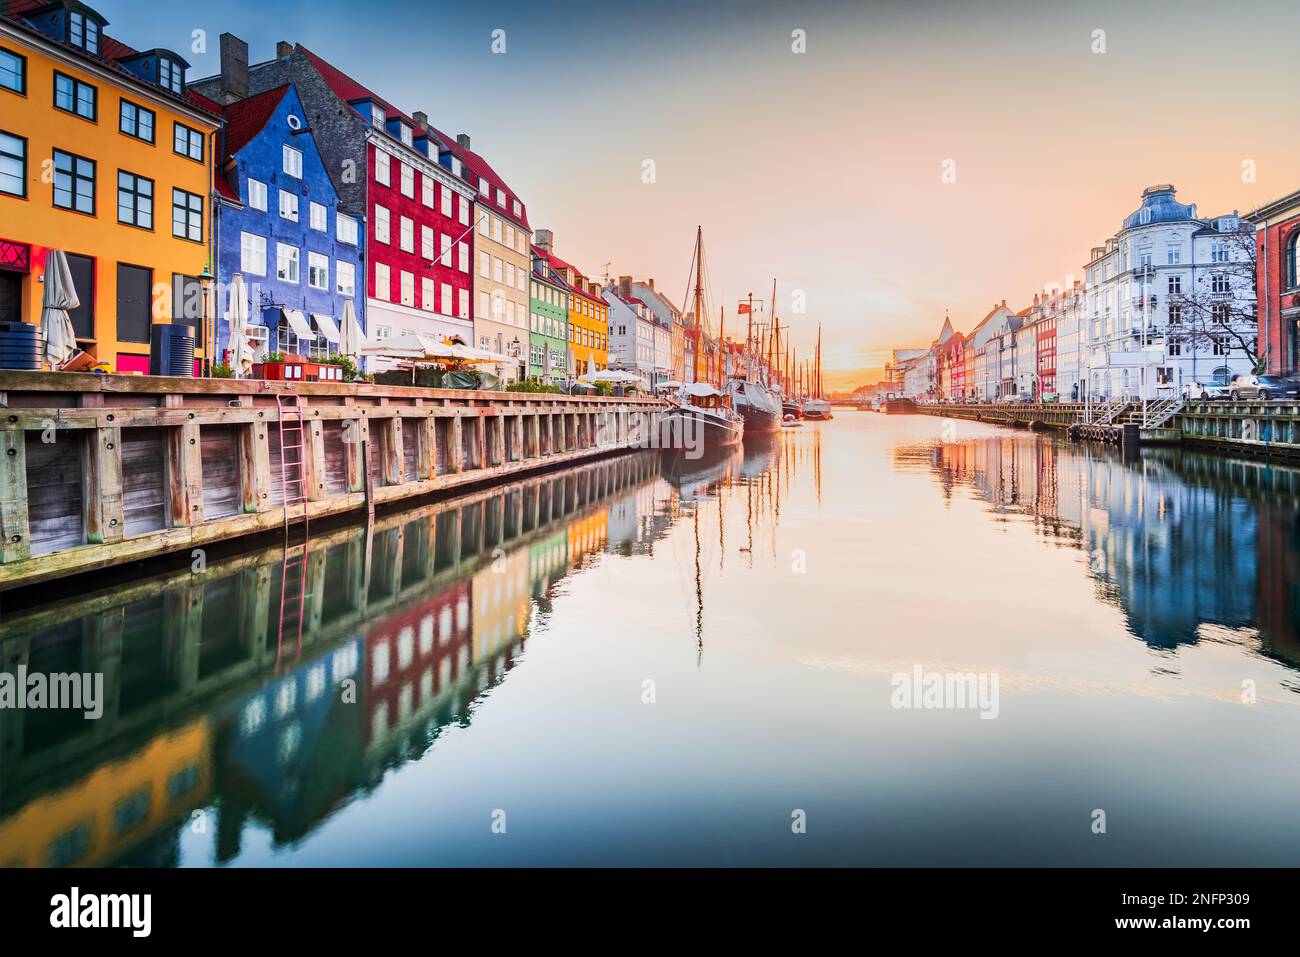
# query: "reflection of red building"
{"points": [[1278, 282], [412, 657], [1278, 594]]}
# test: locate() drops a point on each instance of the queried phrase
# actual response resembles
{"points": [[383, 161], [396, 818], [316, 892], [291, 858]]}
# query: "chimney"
{"points": [[462, 140], [1004, 304], [544, 240], [651, 284], [625, 286], [421, 119], [283, 49], [234, 69]]}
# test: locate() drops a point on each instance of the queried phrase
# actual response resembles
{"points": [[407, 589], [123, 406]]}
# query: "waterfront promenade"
{"points": [[98, 470], [1240, 427]]}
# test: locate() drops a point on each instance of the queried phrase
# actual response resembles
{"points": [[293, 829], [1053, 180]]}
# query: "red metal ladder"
{"points": [[293, 580]]}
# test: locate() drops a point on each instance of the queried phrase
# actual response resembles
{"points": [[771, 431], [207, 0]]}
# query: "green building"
{"points": [[548, 323]]}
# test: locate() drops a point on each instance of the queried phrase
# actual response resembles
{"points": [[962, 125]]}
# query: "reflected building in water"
{"points": [[1177, 539]]}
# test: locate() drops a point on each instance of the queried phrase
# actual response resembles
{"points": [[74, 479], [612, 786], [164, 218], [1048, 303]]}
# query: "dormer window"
{"points": [[171, 75], [376, 116], [501, 198], [405, 132], [83, 32], [483, 188]]}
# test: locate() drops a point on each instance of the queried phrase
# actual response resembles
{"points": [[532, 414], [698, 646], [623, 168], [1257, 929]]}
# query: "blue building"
{"points": [[278, 224]]}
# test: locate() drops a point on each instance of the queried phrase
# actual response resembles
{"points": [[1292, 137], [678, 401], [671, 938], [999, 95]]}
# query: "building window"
{"points": [[445, 257], [134, 303], [408, 181], [13, 72], [1175, 285], [318, 271], [381, 169], [289, 206], [464, 211], [74, 182], [187, 142], [1219, 253], [83, 280], [187, 215], [1293, 262], [252, 254], [136, 121], [171, 75], [464, 304], [286, 262], [408, 288], [83, 32], [426, 191], [257, 194], [445, 206], [381, 224], [73, 96], [345, 229], [187, 304], [292, 161], [134, 200], [462, 254], [426, 244], [406, 234], [426, 295], [1219, 283], [501, 198], [346, 279], [319, 218], [382, 282], [13, 165]]}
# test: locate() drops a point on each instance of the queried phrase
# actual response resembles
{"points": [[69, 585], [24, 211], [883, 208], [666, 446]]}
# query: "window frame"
{"points": [[242, 265], [22, 72], [189, 211], [286, 153], [297, 260], [136, 196], [123, 103], [22, 161], [191, 132], [76, 98], [94, 183]]}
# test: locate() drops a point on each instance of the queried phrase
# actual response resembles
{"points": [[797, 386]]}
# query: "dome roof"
{"points": [[1159, 206]]}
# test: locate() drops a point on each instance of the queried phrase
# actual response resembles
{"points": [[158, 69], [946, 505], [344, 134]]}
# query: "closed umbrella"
{"points": [[60, 296], [241, 356], [351, 339]]}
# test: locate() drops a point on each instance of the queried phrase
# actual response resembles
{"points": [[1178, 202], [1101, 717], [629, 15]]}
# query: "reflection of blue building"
{"points": [[278, 225], [290, 752]]}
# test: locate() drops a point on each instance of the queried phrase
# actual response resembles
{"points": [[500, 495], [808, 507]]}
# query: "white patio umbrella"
{"points": [[351, 339], [60, 296], [241, 356]]}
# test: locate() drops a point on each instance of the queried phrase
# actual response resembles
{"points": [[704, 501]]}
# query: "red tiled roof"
{"points": [[349, 89], [111, 51], [246, 118]]}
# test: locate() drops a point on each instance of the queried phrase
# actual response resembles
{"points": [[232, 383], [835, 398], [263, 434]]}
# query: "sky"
{"points": [[915, 159]]}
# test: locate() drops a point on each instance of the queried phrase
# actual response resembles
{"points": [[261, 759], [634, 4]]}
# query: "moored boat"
{"points": [[701, 417], [899, 406], [760, 409], [818, 409]]}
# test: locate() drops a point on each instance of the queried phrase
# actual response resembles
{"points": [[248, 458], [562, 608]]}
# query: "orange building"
{"points": [[105, 155]]}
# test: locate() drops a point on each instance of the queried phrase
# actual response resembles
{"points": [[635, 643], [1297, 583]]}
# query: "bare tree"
{"points": [[1220, 309]]}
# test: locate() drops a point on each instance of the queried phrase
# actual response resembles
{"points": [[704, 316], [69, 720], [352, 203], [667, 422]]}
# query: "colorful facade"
{"points": [[414, 214], [548, 333], [128, 148], [1277, 283], [588, 313], [279, 227]]}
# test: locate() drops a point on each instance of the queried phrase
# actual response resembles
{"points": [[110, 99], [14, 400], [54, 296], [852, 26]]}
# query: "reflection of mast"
{"points": [[699, 592]]}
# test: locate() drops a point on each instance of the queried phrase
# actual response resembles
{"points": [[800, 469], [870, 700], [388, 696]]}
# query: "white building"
{"points": [[636, 343], [1147, 291], [1069, 314], [989, 340]]}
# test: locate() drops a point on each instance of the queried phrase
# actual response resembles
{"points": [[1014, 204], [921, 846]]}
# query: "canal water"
{"points": [[649, 661]]}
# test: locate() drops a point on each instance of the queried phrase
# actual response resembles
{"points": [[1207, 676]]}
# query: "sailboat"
{"points": [[817, 407], [702, 413], [756, 404]]}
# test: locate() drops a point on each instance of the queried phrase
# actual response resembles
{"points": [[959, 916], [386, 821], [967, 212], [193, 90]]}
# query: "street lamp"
{"points": [[207, 282]]}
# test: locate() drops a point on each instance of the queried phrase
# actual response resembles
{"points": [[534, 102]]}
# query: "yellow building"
{"points": [[588, 313], [104, 155]]}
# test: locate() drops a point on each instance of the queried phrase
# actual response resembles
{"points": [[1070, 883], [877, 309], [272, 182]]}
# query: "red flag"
{"points": [[743, 308]]}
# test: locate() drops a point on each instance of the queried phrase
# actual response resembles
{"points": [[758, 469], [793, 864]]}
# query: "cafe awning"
{"points": [[327, 326], [298, 323]]}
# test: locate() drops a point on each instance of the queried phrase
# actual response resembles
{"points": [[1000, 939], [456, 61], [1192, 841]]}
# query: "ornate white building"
{"points": [[1148, 293]]}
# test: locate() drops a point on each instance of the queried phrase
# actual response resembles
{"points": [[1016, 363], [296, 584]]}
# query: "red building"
{"points": [[1045, 329], [1277, 282], [954, 355]]}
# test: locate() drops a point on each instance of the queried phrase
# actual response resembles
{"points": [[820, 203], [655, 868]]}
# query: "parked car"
{"points": [[1264, 387], [1205, 391]]}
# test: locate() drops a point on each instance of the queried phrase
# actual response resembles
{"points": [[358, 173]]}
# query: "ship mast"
{"points": [[699, 297]]}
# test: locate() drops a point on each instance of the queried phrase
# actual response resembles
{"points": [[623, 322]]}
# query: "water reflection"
{"points": [[1177, 539], [217, 716]]}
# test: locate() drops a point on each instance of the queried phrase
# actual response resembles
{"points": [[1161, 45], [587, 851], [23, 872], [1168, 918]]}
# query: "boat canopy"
{"points": [[700, 390]]}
